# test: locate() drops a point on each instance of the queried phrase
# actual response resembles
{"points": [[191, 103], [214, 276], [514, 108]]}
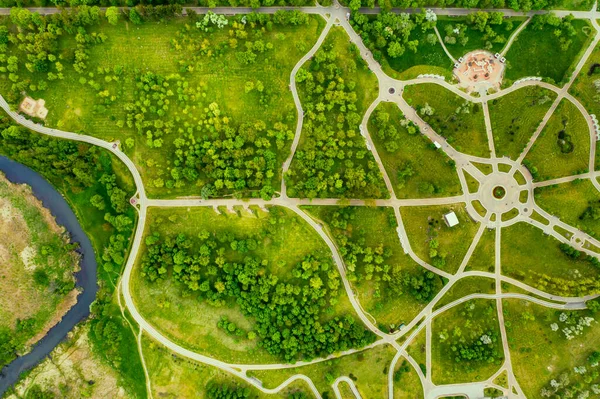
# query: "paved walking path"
{"points": [[336, 15]]}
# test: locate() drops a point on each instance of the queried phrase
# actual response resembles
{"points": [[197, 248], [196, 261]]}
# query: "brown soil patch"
{"points": [[74, 365]]}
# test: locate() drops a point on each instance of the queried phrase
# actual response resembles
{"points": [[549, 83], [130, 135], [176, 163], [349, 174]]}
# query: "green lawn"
{"points": [[458, 120], [378, 227], [219, 79], [425, 223], [476, 39], [539, 354], [463, 329], [407, 384], [483, 256], [415, 167], [191, 322], [536, 259], [516, 116], [569, 202], [537, 53], [417, 349], [176, 377], [465, 287], [563, 147], [368, 370]]}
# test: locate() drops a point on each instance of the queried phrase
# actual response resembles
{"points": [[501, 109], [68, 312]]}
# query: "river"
{"points": [[86, 277]]}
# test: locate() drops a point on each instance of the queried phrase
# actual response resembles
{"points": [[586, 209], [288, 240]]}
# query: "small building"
{"points": [[451, 219], [34, 108]]}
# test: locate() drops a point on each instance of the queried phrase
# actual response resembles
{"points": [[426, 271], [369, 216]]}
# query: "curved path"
{"points": [[337, 15]]}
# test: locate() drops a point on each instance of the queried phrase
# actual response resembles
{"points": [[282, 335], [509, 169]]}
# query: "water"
{"points": [[86, 277]]}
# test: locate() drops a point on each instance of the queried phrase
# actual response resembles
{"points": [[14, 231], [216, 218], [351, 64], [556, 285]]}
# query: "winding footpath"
{"points": [[336, 16]]}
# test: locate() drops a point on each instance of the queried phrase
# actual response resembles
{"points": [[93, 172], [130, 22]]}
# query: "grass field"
{"points": [[569, 201], [465, 287], [537, 53], [454, 118], [550, 156], [475, 37], [465, 325], [388, 308], [426, 222], [193, 323], [417, 349], [483, 256], [77, 107], [534, 258], [407, 385], [368, 370], [516, 116], [539, 354], [176, 377], [429, 167]]}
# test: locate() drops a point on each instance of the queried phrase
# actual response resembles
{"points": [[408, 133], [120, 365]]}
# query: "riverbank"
{"points": [[86, 277]]}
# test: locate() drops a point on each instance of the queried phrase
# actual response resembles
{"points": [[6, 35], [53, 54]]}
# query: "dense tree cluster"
{"points": [[289, 314], [476, 341], [36, 39], [485, 22], [389, 34], [366, 263], [517, 5], [332, 160]]}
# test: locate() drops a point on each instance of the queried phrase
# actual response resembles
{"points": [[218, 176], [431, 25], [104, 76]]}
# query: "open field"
{"points": [[459, 121], [465, 287], [536, 259], [426, 229], [574, 203], [563, 147], [516, 116], [540, 354], [483, 256], [415, 167], [537, 52]]}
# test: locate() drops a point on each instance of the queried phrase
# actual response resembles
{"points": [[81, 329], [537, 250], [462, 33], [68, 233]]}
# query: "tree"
{"points": [[134, 16], [112, 14]]}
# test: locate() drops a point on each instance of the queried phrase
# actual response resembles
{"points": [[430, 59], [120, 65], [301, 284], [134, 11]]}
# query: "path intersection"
{"points": [[495, 203]]}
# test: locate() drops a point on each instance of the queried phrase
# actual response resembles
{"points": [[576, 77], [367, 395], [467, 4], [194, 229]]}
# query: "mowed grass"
{"points": [[177, 377], [193, 323], [470, 321], [476, 37], [548, 156], [516, 116], [428, 59], [483, 258], [569, 201], [539, 354], [368, 369], [583, 89], [408, 384], [460, 123], [538, 53], [430, 167], [423, 223], [390, 308], [528, 255], [465, 287]]}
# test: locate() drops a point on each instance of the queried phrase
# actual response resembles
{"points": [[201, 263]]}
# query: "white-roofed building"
{"points": [[451, 219]]}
